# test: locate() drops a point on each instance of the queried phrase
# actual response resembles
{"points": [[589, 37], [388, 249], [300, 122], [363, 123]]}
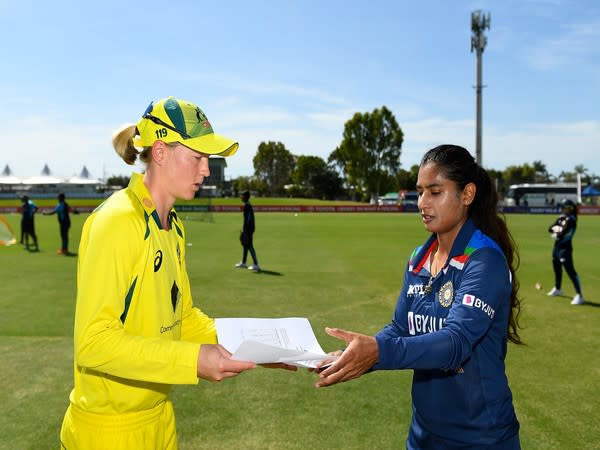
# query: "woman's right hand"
{"points": [[359, 356], [215, 363], [321, 365]]}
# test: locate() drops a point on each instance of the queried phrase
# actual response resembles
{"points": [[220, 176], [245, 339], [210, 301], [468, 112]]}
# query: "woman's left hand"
{"points": [[359, 356]]}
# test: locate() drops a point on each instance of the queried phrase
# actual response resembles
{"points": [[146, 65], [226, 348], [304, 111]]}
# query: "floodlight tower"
{"points": [[479, 22]]}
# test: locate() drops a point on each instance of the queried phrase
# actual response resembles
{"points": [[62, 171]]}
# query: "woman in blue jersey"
{"points": [[247, 236], [456, 312], [28, 211], [562, 230]]}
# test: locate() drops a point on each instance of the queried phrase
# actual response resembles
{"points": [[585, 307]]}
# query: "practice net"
{"points": [[7, 237]]}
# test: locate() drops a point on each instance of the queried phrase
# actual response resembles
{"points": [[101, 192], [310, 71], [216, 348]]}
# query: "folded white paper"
{"points": [[289, 340]]}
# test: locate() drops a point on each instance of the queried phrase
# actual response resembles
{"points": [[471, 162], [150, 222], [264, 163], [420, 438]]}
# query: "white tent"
{"points": [[83, 178], [7, 177], [45, 177]]}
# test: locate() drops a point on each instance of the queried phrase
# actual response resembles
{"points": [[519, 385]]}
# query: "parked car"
{"points": [[391, 198], [409, 198]]}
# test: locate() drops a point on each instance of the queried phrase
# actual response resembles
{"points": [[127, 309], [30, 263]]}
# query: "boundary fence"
{"points": [[582, 209]]}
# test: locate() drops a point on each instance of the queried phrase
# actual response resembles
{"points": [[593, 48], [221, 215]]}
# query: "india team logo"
{"points": [[446, 294]]}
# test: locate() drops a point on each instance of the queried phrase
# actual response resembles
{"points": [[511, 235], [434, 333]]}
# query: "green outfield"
{"points": [[339, 270]]}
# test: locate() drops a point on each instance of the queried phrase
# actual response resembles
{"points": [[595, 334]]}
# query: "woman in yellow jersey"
{"points": [[136, 329]]}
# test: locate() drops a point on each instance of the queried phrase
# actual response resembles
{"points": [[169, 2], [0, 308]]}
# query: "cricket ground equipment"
{"points": [[7, 236]]}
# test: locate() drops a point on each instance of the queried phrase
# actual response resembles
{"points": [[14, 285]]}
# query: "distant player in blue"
{"points": [[64, 223], [28, 211], [563, 230], [456, 312], [247, 236]]}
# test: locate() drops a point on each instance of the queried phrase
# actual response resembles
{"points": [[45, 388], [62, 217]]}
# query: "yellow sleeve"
{"points": [[110, 251]]}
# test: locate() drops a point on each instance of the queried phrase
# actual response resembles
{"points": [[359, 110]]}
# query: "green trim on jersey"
{"points": [[128, 301], [136, 329]]}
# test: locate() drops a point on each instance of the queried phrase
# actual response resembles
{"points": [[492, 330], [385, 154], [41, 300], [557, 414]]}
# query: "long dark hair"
{"points": [[458, 165]]}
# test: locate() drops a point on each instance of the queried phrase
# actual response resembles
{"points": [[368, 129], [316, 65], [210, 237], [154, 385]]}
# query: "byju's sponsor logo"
{"points": [[422, 323], [477, 303], [468, 299]]}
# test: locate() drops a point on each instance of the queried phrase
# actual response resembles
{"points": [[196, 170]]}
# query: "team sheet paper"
{"points": [[289, 340]]}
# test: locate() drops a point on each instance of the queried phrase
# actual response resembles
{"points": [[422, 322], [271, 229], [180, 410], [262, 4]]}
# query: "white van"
{"points": [[409, 198]]}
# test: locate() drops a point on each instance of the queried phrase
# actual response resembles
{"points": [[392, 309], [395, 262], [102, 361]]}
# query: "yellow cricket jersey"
{"points": [[136, 330]]}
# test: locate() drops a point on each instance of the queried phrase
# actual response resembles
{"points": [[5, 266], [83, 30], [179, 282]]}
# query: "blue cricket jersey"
{"points": [[28, 210], [564, 229], [454, 334], [62, 212], [249, 224]]}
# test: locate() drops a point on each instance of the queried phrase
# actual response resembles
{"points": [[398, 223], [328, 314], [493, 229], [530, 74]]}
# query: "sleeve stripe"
{"points": [[128, 300]]}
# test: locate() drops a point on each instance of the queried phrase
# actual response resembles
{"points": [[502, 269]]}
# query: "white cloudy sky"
{"points": [[295, 72]]}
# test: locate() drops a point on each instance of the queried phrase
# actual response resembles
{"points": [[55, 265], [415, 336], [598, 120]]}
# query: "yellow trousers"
{"points": [[143, 430]]}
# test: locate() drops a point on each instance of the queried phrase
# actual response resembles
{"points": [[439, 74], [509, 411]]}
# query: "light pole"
{"points": [[479, 22]]}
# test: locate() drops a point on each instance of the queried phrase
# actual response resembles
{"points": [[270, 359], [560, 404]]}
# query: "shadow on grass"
{"points": [[268, 272], [37, 250], [587, 302]]}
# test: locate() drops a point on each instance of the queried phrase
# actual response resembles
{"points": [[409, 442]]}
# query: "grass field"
{"points": [[75, 202], [342, 270]]}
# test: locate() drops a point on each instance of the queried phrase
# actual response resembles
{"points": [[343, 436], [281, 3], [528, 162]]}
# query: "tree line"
{"points": [[365, 165]]}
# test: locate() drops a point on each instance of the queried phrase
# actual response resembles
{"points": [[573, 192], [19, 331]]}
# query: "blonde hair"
{"points": [[122, 141]]}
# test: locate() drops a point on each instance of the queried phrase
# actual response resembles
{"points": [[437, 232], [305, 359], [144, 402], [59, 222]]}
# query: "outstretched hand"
{"points": [[359, 356], [215, 363]]}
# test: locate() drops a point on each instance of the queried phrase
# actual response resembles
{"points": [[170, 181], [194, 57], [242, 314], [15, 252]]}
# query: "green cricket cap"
{"points": [[173, 120]]}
